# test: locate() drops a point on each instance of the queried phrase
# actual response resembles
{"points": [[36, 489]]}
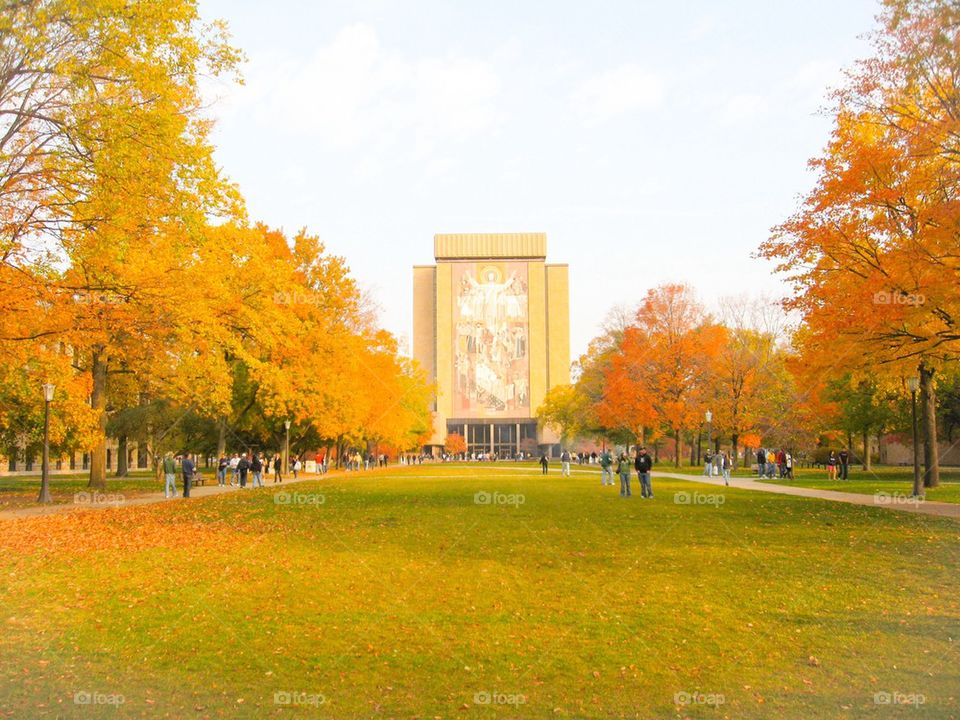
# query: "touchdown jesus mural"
{"points": [[490, 314]]}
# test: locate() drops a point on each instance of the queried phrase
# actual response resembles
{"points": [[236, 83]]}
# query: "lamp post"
{"points": [[48, 389], [286, 448], [708, 416], [913, 383]]}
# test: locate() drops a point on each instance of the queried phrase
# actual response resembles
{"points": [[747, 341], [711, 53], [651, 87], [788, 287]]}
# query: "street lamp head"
{"points": [[708, 415], [913, 382], [286, 424], [48, 389]]}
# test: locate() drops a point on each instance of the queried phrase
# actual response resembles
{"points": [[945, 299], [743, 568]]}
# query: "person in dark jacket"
{"points": [[277, 464], [188, 468], [256, 467], [243, 467], [761, 463], [844, 458], [543, 462], [643, 464]]}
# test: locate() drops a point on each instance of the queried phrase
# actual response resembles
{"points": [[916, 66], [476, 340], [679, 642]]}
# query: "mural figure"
{"points": [[490, 348]]}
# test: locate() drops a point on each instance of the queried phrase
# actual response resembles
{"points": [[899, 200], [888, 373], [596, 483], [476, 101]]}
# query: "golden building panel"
{"points": [[490, 245]]}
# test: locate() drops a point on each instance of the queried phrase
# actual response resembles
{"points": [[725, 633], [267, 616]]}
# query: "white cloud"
{"points": [[614, 92], [744, 107], [353, 93]]}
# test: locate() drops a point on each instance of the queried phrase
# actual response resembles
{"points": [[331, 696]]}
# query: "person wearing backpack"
{"points": [[543, 463], [643, 464], [169, 476], [761, 463]]}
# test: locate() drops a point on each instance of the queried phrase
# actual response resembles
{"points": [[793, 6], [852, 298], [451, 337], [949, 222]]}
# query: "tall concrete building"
{"points": [[491, 326]]}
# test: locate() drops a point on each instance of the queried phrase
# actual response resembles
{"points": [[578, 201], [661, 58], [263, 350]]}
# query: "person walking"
{"points": [[234, 473], [222, 465], [644, 464], [606, 468], [543, 463], [832, 465], [788, 460], [296, 467], [277, 464], [188, 468], [707, 462], [256, 468], [844, 458], [565, 463], [623, 470], [169, 476], [725, 467], [243, 467], [761, 463]]}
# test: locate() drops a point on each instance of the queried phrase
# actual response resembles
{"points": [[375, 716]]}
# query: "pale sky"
{"points": [[652, 141]]}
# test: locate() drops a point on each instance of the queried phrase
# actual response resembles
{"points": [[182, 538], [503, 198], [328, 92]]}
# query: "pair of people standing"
{"points": [[642, 463], [187, 467]]}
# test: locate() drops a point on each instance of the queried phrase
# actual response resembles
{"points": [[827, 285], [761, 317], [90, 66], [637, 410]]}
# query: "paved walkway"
{"points": [[880, 500]]}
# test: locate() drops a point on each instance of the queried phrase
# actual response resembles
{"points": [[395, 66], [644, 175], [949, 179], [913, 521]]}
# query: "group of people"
{"points": [[357, 461], [239, 466], [718, 463], [641, 463], [773, 464]]}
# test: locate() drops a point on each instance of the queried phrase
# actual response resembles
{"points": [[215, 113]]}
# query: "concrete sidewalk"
{"points": [[880, 500]]}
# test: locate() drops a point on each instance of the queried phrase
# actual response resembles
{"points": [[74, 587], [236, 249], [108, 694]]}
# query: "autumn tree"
{"points": [[665, 360], [873, 249], [455, 444], [563, 410]]}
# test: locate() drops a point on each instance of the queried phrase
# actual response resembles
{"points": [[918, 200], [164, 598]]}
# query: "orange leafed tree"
{"points": [[455, 444], [664, 368], [873, 250]]}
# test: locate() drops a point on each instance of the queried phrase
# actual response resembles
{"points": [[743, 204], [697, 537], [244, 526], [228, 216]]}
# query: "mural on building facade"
{"points": [[490, 359]]}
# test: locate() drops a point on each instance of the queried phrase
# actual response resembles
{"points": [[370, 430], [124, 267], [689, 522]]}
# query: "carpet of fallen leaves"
{"points": [[124, 529]]}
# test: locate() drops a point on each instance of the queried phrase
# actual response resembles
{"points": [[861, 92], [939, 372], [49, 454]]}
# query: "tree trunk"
{"points": [[866, 450], [221, 437], [677, 448], [928, 403], [123, 467], [98, 401], [735, 439]]}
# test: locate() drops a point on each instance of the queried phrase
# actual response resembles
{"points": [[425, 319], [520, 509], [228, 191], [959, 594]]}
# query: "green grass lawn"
{"points": [[481, 591]]}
